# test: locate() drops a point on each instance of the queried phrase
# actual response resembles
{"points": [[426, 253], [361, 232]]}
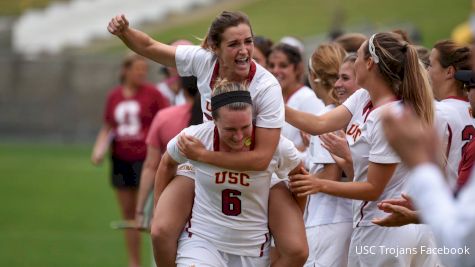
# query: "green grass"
{"points": [[56, 209], [16, 7], [303, 18]]}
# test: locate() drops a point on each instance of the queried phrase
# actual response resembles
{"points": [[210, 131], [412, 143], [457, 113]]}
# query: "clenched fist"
{"points": [[118, 25]]}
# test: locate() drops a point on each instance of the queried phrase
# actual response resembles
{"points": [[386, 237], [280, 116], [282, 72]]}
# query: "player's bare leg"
{"points": [[170, 215], [127, 201], [289, 233]]}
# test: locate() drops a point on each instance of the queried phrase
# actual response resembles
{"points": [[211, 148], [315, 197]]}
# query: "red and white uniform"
{"points": [[266, 93], [230, 209], [303, 99], [368, 144], [461, 130], [326, 217], [130, 118]]}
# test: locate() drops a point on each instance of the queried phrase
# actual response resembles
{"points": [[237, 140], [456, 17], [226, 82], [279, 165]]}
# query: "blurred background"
{"points": [[57, 63]]}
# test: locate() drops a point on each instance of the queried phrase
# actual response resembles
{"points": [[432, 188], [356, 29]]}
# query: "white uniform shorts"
{"points": [[391, 246], [328, 244], [186, 169], [195, 251]]}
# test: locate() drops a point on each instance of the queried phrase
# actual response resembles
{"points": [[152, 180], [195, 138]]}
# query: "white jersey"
{"points": [[304, 99], [461, 129], [323, 208], [266, 93], [230, 209], [368, 144], [173, 99]]}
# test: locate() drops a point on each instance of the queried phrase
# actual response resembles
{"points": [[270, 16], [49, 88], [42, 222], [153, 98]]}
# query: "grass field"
{"points": [[276, 18], [56, 209]]}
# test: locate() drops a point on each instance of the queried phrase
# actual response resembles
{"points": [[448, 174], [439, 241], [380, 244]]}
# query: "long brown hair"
{"points": [[455, 55], [223, 21], [399, 66]]}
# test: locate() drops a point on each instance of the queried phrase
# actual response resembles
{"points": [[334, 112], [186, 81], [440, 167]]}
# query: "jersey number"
{"points": [[127, 116], [467, 134], [231, 204]]}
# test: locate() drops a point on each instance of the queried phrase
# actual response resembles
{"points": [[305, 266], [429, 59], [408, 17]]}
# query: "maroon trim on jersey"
{"points": [[466, 165], [458, 98], [362, 213], [449, 143], [208, 116], [188, 227], [286, 99], [214, 76], [262, 246], [367, 109], [216, 138]]}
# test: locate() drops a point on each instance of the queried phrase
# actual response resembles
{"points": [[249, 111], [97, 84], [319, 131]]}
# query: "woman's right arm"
{"points": [[165, 173], [331, 121], [141, 43], [101, 145]]}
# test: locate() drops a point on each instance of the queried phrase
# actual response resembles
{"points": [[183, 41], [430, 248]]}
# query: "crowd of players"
{"points": [[298, 162]]}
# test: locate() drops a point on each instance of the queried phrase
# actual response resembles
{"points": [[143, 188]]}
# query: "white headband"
{"points": [[372, 49]]}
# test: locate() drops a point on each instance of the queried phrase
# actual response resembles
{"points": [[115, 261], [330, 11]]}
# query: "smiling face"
{"points": [[285, 72], [346, 83], [235, 52], [234, 127]]}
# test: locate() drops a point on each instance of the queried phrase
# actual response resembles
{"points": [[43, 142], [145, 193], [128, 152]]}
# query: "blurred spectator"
{"points": [[166, 124], [293, 41], [262, 49], [171, 87], [129, 112], [351, 41]]}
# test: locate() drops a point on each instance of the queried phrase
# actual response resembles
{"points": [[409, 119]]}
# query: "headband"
{"points": [[372, 49], [230, 97]]}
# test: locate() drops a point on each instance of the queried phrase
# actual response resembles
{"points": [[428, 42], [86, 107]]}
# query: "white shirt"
{"points": [[174, 99], [230, 209], [458, 116], [304, 99], [266, 93], [452, 220], [322, 208], [368, 144]]}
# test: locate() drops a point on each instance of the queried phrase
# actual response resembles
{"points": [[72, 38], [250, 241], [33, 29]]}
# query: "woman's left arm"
{"points": [[266, 140], [371, 190]]}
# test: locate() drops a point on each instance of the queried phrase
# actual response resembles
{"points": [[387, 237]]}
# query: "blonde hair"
{"points": [[325, 64]]}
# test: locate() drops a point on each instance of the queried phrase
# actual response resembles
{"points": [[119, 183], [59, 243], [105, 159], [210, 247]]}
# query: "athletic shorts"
{"points": [[126, 173], [328, 244], [196, 251], [186, 169]]}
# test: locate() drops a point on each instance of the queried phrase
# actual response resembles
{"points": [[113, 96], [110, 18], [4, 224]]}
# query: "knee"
{"points": [[297, 252], [159, 232]]}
